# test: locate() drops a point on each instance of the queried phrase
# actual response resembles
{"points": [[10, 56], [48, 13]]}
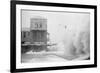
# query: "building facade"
{"points": [[36, 36]]}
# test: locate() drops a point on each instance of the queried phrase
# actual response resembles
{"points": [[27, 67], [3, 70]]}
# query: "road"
{"points": [[41, 57]]}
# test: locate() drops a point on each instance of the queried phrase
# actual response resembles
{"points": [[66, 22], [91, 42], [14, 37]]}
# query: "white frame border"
{"points": [[37, 65]]}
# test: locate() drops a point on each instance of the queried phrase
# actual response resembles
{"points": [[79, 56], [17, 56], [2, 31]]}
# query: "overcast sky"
{"points": [[56, 22]]}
